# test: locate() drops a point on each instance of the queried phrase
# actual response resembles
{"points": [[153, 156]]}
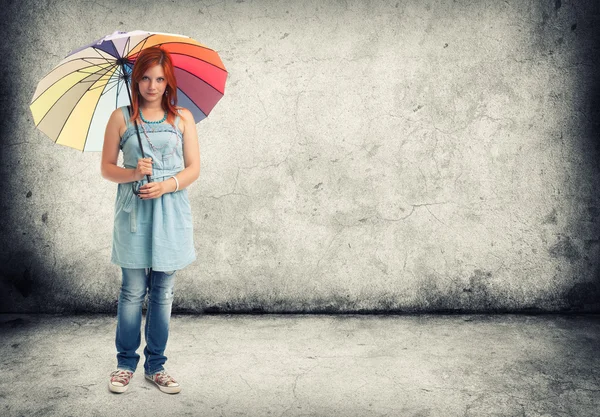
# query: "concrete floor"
{"points": [[301, 365]]}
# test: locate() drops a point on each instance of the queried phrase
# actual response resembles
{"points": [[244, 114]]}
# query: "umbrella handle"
{"points": [[137, 130], [141, 147]]}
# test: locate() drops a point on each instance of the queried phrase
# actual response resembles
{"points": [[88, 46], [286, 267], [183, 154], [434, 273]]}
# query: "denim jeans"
{"points": [[129, 318]]}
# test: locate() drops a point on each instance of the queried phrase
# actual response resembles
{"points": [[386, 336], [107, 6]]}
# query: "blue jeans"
{"points": [[129, 318]]}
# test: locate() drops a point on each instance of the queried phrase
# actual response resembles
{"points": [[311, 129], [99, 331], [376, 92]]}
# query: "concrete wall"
{"points": [[367, 156]]}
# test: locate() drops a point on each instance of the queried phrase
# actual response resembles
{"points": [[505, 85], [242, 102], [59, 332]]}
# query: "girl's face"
{"points": [[153, 84]]}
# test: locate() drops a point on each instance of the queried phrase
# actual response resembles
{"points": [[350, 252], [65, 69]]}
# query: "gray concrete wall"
{"points": [[367, 156]]}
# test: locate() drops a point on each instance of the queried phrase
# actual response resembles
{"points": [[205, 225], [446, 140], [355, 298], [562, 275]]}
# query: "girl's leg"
{"points": [[160, 300], [129, 317]]}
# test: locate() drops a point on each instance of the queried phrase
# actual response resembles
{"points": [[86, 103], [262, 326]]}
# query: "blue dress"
{"points": [[155, 233]]}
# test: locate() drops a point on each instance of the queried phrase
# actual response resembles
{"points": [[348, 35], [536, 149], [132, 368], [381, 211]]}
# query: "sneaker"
{"points": [[164, 382], [119, 380]]}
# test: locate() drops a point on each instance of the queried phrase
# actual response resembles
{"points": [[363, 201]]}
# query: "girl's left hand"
{"points": [[151, 190]]}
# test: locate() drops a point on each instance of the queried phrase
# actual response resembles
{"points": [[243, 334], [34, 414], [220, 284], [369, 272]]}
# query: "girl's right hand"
{"points": [[144, 167]]}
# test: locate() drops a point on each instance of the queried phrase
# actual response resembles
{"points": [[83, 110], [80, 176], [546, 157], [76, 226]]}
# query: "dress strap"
{"points": [[176, 122], [128, 124], [126, 115], [177, 119]]}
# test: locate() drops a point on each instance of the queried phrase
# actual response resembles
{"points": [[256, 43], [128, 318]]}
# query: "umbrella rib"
{"points": [[113, 84], [103, 87], [110, 67], [84, 58], [200, 79], [189, 44], [191, 56], [110, 81], [70, 113], [81, 71], [142, 42], [126, 47], [66, 75], [93, 82], [119, 88], [199, 59], [84, 81], [62, 95], [100, 55], [145, 40], [78, 82], [90, 125], [190, 99]]}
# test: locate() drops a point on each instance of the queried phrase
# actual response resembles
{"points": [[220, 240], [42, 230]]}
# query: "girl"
{"points": [[153, 231]]}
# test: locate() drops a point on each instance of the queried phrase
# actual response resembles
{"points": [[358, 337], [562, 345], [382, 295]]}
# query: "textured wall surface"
{"points": [[367, 156]]}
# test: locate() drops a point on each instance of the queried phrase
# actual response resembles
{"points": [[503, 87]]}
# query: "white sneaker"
{"points": [[119, 380], [164, 382]]}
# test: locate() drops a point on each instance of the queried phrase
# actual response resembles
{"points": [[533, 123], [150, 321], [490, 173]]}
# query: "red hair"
{"points": [[146, 59]]}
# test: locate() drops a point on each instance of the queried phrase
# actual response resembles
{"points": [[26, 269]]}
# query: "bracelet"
{"points": [[176, 182]]}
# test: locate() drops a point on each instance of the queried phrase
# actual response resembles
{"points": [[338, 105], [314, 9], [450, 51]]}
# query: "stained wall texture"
{"points": [[367, 156]]}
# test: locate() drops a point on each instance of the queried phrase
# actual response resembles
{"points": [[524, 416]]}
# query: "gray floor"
{"points": [[428, 365]]}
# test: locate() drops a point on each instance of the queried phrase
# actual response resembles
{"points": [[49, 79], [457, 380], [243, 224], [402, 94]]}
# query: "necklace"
{"points": [[155, 122], [155, 148]]}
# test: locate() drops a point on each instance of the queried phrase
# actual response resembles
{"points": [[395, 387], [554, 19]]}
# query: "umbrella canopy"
{"points": [[72, 104]]}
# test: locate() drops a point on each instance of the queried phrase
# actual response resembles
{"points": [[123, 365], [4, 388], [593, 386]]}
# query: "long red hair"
{"points": [[146, 59]]}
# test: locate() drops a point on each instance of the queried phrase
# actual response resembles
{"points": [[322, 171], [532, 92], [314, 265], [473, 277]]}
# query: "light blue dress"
{"points": [[155, 233]]}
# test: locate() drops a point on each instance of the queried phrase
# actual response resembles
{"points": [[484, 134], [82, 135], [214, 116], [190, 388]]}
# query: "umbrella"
{"points": [[72, 104]]}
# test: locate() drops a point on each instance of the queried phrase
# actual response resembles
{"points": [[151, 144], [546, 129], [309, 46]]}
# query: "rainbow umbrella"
{"points": [[72, 104]]}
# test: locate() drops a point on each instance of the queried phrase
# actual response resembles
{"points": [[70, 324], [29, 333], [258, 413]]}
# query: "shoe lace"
{"points": [[164, 379], [121, 376]]}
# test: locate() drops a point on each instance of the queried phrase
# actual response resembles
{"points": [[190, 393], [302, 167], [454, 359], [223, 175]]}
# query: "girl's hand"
{"points": [[151, 190], [144, 167]]}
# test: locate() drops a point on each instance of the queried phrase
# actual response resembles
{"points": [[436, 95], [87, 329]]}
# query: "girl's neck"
{"points": [[153, 108]]}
